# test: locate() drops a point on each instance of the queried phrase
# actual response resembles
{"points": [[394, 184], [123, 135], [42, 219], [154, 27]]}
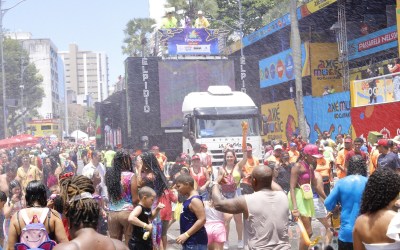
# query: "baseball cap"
{"points": [[195, 157], [348, 140], [203, 146], [199, 12], [312, 149], [155, 148], [278, 147], [383, 142], [292, 144]]}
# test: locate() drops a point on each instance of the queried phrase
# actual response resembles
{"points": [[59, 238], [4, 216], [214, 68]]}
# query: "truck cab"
{"points": [[214, 118]]}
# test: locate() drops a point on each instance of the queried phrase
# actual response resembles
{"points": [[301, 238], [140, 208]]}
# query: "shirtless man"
{"points": [[11, 173]]}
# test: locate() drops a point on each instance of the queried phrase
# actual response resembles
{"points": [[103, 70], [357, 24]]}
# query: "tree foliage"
{"points": [[137, 33], [17, 64], [190, 8]]}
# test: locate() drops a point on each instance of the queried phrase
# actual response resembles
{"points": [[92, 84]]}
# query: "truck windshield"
{"points": [[208, 128]]}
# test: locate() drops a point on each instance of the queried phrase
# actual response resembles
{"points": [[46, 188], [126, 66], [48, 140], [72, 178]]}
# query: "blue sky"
{"points": [[95, 25]]}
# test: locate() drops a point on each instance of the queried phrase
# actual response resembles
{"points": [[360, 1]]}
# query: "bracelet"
{"points": [[144, 225], [186, 234]]}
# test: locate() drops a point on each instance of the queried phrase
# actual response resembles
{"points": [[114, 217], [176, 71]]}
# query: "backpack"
{"points": [[230, 185], [34, 235]]}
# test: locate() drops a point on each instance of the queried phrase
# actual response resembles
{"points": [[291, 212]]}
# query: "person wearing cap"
{"points": [[341, 158], [302, 180], [387, 159], [200, 175], [269, 150], [161, 158], [348, 193], [247, 169], [169, 21], [293, 153], [276, 157], [201, 21]]}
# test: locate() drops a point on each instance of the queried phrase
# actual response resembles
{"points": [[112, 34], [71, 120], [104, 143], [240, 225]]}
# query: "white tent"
{"points": [[79, 135]]}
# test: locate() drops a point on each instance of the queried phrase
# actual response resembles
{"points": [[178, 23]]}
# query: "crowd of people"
{"points": [[129, 199]]}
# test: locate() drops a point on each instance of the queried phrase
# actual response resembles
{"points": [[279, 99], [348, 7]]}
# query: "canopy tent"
{"points": [[79, 135], [23, 140]]}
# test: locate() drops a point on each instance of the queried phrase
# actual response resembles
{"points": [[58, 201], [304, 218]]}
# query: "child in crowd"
{"points": [[192, 220], [215, 225], [141, 218], [167, 198]]}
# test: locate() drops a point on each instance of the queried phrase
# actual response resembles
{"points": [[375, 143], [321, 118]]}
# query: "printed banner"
{"points": [[327, 113], [326, 73], [280, 120], [280, 67], [190, 41], [379, 90], [278, 24], [378, 41], [381, 118]]}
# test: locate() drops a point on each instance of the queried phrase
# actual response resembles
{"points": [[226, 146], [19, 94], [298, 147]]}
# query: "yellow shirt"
{"points": [[169, 23], [293, 156], [201, 23], [33, 174]]}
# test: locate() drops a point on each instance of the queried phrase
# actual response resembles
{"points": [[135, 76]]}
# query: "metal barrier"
{"points": [[380, 89]]}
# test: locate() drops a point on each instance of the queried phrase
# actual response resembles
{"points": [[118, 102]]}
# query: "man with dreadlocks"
{"points": [[82, 211], [123, 195]]}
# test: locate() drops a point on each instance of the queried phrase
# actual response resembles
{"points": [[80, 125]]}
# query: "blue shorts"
{"points": [[194, 247]]}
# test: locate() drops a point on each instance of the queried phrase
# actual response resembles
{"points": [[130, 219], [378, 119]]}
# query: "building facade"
{"points": [[86, 74]]}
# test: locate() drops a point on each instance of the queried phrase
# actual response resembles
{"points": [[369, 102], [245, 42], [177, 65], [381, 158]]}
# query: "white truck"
{"points": [[214, 118]]}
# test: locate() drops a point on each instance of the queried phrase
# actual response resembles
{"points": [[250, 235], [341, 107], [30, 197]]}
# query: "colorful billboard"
{"points": [[280, 120], [325, 68], [279, 23], [375, 42], [381, 118], [327, 113], [378, 90], [280, 67], [190, 41]]}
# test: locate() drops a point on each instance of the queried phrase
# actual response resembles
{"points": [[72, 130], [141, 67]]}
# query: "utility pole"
{"points": [[242, 58], [3, 75]]}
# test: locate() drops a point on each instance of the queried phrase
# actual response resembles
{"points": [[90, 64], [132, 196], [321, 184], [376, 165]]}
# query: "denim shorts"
{"points": [[194, 247]]}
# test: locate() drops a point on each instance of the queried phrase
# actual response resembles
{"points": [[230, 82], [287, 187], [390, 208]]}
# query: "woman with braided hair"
{"points": [[123, 195], [151, 175], [83, 212]]}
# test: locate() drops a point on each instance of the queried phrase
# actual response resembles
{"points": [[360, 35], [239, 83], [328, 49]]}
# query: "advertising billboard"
{"points": [[375, 42], [280, 120], [190, 41], [327, 113], [280, 67], [378, 118], [325, 68]]}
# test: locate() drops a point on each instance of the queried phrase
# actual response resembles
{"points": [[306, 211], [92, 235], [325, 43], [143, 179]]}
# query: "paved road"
{"points": [[173, 232]]}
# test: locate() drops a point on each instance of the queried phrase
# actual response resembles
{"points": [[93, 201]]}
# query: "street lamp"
{"points": [[2, 13]]}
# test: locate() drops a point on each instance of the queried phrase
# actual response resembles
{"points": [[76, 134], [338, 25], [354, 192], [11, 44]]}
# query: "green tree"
{"points": [[137, 33], [18, 70], [190, 8]]}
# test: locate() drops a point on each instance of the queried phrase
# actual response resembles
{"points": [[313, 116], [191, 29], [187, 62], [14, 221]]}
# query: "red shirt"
{"points": [[352, 153], [166, 199]]}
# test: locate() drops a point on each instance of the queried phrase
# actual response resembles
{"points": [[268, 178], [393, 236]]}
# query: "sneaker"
{"points": [[226, 245], [240, 244]]}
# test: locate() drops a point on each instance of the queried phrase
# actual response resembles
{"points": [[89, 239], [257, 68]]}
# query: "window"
{"points": [[46, 127]]}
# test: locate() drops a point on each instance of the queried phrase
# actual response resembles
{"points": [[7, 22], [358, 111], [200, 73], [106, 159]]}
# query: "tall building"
{"points": [[43, 53], [86, 74]]}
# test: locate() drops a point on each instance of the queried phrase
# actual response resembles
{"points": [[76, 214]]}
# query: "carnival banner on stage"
{"points": [[190, 41], [375, 42], [327, 113], [280, 120], [382, 118], [325, 68], [280, 67]]}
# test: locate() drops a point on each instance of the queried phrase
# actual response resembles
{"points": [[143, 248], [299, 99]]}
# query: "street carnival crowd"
{"points": [[85, 198]]}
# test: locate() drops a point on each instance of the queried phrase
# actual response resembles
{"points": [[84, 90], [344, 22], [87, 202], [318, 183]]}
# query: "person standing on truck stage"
{"points": [[251, 163], [169, 21], [201, 21], [229, 176], [161, 158]]}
